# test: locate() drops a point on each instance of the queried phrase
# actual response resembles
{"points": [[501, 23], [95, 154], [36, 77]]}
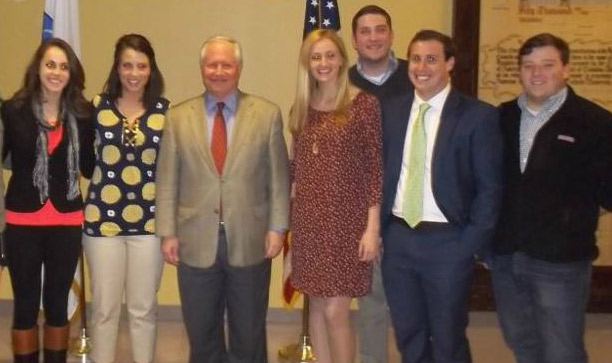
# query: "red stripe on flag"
{"points": [[290, 294]]}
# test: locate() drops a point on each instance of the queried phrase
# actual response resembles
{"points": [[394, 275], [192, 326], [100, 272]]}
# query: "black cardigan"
{"points": [[20, 134], [550, 211]]}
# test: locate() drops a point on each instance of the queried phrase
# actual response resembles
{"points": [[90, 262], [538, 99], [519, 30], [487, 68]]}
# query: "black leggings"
{"points": [[27, 249]]}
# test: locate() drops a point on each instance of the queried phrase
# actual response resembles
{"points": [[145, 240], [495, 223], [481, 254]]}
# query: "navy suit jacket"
{"points": [[466, 164]]}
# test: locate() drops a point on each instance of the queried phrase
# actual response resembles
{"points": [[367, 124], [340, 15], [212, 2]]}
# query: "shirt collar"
{"points": [[436, 101], [231, 101], [553, 102], [381, 78]]}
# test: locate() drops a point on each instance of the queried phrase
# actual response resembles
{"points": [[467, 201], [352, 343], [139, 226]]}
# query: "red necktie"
{"points": [[218, 144]]}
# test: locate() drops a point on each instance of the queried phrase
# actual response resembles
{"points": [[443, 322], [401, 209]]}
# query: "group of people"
{"points": [[519, 187], [398, 183]]}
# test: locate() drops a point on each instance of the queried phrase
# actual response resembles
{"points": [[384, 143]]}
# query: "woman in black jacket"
{"points": [[48, 139]]}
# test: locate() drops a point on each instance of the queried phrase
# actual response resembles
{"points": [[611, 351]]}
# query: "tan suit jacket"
{"points": [[254, 186]]}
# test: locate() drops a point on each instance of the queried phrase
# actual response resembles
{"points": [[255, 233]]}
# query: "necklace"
{"points": [[315, 146], [320, 130], [130, 114], [129, 136]]}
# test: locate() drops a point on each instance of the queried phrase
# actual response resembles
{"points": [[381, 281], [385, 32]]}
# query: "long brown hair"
{"points": [[155, 85], [72, 94]]}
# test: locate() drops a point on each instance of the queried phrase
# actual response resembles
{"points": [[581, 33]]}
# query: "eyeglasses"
{"points": [[129, 137]]}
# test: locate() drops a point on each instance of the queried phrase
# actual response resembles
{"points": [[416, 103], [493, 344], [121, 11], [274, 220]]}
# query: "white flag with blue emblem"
{"points": [[61, 20]]}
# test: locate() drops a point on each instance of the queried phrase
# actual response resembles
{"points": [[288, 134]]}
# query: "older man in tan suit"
{"points": [[222, 207]]}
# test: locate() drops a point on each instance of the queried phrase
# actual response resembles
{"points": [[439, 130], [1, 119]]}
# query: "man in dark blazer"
{"points": [[379, 72], [558, 173], [441, 199], [223, 207]]}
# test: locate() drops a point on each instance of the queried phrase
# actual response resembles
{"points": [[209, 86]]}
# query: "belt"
{"points": [[421, 226]]}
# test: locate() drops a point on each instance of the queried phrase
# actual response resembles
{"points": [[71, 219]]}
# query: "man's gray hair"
{"points": [[223, 39]]}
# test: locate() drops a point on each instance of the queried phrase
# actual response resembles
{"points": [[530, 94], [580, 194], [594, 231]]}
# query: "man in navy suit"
{"points": [[441, 200]]}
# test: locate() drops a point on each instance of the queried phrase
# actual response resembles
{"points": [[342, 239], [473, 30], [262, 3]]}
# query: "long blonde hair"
{"points": [[306, 84]]}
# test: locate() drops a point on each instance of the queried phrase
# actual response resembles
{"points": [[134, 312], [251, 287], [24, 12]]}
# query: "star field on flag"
{"points": [[321, 14]]}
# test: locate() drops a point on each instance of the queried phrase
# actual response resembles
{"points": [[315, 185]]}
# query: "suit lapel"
{"points": [[240, 131], [451, 113], [397, 135], [513, 147], [200, 132]]}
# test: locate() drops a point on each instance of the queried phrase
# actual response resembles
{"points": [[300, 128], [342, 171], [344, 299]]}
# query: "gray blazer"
{"points": [[254, 186]]}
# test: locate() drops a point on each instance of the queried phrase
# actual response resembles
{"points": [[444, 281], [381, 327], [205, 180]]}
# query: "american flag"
{"points": [[321, 14]]}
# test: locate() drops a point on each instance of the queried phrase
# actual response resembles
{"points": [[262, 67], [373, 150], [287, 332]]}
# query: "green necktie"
{"points": [[413, 189]]}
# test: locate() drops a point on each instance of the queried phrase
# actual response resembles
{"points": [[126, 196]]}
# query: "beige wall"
{"points": [[269, 30]]}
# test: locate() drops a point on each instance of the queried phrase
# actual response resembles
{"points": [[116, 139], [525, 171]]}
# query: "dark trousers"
{"points": [[28, 248], [541, 307], [206, 293], [426, 275]]}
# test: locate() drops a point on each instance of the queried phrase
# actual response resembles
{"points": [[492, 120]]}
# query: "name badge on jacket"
{"points": [[566, 138]]}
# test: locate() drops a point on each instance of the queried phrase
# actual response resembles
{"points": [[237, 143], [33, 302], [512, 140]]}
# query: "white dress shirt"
{"points": [[431, 211]]}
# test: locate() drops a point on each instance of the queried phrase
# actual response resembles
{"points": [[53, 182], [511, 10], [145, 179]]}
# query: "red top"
{"points": [[47, 215]]}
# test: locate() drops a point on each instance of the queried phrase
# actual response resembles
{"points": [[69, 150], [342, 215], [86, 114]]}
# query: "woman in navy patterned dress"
{"points": [[122, 250], [336, 173]]}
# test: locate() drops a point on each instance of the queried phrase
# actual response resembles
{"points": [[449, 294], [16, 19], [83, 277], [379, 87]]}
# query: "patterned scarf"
{"points": [[41, 168]]}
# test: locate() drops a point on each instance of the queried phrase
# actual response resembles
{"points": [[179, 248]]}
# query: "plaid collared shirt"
{"points": [[532, 122]]}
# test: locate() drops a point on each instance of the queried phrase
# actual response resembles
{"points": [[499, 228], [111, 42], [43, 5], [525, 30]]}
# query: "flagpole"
{"points": [[301, 352], [81, 345]]}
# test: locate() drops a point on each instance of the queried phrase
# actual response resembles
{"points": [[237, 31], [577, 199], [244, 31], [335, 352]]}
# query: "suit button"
{"points": [[216, 210]]}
